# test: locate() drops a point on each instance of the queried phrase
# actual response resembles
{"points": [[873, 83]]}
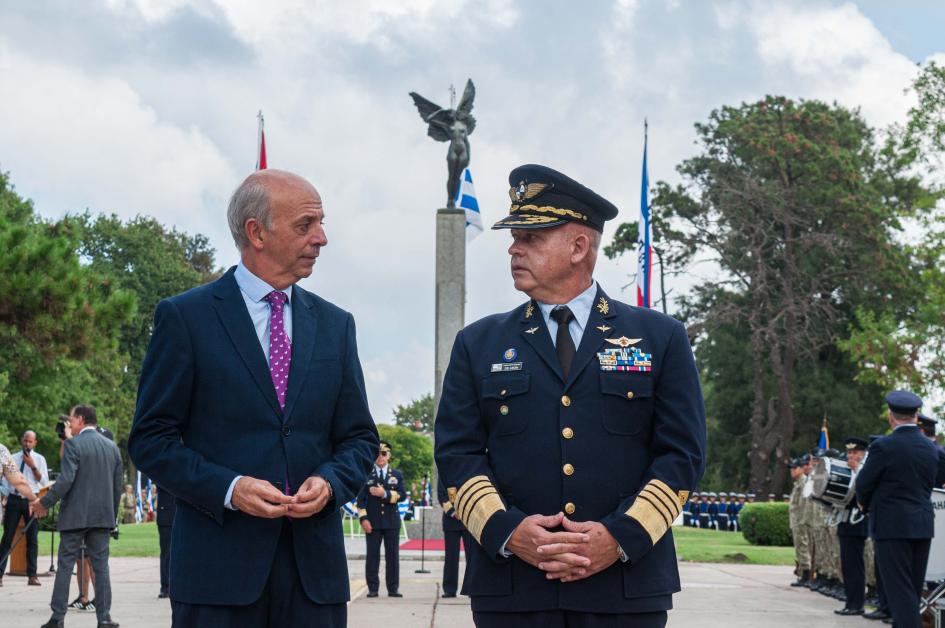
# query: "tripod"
{"points": [[16, 541]]}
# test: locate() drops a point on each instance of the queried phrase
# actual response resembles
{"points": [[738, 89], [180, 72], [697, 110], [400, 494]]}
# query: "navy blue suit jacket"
{"points": [[515, 438], [207, 411], [166, 507], [895, 485]]}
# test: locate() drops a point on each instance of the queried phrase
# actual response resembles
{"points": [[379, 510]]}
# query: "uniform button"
{"points": [[503, 393], [568, 469], [630, 394], [569, 508], [286, 431], [565, 401], [568, 433], [503, 410]]}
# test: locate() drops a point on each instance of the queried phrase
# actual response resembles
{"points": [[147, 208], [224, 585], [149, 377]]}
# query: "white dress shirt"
{"points": [[41, 466]]}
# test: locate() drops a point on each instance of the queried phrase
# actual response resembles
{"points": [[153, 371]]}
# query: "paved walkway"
{"points": [[713, 596]]}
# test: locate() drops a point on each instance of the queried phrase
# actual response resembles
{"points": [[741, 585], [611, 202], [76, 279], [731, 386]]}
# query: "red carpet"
{"points": [[430, 544]]}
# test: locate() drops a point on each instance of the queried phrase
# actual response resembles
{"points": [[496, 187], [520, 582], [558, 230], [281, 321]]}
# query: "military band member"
{"points": [[570, 431], [851, 531], [895, 487], [380, 519], [452, 535], [799, 529]]}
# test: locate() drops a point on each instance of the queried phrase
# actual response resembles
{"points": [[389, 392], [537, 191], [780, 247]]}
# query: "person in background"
{"points": [[32, 465], [380, 519], [19, 483], [166, 509], [128, 505]]}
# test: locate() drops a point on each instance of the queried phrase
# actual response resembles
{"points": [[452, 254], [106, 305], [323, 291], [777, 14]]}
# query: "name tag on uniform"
{"points": [[502, 367]]}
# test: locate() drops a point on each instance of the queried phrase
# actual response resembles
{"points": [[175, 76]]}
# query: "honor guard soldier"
{"points": [[452, 535], [851, 531], [895, 488], [799, 531], [722, 517], [736, 510], [380, 518], [570, 431]]}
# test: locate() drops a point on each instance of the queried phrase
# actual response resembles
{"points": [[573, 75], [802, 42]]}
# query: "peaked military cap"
{"points": [[854, 443], [723, 494], [542, 197], [741, 496], [805, 459], [903, 402], [928, 423], [385, 447]]}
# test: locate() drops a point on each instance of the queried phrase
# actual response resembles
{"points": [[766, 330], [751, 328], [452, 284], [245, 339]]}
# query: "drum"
{"points": [[832, 481]]}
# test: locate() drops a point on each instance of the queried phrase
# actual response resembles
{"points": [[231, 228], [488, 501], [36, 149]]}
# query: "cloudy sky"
{"points": [[148, 107]]}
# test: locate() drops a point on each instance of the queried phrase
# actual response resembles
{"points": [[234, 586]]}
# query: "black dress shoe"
{"points": [[107, 624], [395, 594], [849, 611], [162, 595], [889, 620], [52, 623], [448, 595], [372, 594], [877, 614]]}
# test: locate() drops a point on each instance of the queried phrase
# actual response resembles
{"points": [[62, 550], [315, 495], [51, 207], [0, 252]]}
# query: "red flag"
{"points": [[261, 145]]}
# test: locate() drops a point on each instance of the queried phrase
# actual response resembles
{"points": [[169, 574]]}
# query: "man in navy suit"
{"points": [[252, 412], [895, 488], [570, 431]]}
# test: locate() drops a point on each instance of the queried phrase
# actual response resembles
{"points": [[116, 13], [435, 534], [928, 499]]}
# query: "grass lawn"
{"points": [[709, 546], [692, 544]]}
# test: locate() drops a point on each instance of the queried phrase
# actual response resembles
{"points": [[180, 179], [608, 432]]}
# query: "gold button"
{"points": [[569, 508], [565, 401], [503, 410], [568, 469], [503, 393], [567, 433], [630, 394]]}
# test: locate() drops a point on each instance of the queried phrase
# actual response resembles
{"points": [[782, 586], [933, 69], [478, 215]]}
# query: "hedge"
{"points": [[766, 523]]}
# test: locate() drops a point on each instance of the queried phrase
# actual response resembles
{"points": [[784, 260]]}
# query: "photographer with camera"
{"points": [[33, 467], [90, 486]]}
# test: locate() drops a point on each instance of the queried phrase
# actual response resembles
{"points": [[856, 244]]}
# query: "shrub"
{"points": [[766, 523]]}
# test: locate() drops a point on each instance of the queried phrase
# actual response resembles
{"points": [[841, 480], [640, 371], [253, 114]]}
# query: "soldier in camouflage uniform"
{"points": [[800, 531]]}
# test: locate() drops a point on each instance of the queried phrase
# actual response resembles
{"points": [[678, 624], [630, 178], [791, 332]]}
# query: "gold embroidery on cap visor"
{"points": [[656, 507], [476, 501], [526, 220], [546, 209]]}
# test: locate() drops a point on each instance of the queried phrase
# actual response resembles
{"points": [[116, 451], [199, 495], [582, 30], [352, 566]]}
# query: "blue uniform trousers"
{"points": [[569, 619], [451, 561], [854, 569], [391, 539], [902, 563], [283, 602]]}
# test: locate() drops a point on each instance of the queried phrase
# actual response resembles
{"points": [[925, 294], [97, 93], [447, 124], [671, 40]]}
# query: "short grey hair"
{"points": [[250, 200]]}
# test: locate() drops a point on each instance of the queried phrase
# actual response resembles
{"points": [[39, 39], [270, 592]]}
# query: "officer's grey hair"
{"points": [[250, 200], [898, 416]]}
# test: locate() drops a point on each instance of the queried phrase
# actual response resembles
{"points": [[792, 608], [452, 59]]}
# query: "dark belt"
{"points": [[17, 496]]}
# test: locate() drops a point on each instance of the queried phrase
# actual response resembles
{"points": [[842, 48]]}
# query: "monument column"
{"points": [[450, 288]]}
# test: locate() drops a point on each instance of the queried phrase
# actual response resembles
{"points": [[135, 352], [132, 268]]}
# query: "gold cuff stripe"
{"points": [[485, 508], [471, 486], [669, 503], [473, 496], [649, 518], [547, 209], [657, 506], [446, 506], [394, 497], [679, 497]]}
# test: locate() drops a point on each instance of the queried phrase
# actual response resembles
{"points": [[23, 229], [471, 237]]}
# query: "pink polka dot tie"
{"points": [[280, 349]]}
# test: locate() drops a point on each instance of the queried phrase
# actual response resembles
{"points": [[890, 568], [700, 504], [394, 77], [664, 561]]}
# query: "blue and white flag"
{"points": [[139, 510], [644, 238], [466, 198]]}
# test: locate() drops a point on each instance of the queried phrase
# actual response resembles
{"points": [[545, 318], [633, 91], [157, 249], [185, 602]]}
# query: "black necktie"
{"points": [[23, 463], [564, 344]]}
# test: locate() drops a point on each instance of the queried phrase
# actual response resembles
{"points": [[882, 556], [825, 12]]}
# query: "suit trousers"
{"points": [[164, 537], [391, 539], [902, 563], [451, 561], [96, 548], [18, 508], [854, 569], [569, 619], [283, 602]]}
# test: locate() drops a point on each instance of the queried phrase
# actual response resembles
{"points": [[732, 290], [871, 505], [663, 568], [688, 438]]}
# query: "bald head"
{"points": [[258, 194]]}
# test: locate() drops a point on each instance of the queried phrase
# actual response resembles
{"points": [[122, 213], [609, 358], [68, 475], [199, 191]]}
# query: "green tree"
{"points": [[416, 415], [412, 453], [59, 324]]}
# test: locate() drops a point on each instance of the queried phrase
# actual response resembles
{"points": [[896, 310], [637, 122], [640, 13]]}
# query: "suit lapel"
{"points": [[304, 332], [230, 307], [595, 331], [536, 334]]}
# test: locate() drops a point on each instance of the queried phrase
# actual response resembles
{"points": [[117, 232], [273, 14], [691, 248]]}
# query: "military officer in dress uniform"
{"points": [[851, 532], [570, 431], [452, 535], [895, 487], [380, 519]]}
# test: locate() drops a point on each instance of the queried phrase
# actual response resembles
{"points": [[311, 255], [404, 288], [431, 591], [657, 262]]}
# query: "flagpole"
{"points": [[259, 142]]}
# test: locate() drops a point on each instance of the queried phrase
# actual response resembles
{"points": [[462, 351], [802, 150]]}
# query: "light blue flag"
{"points": [[466, 198]]}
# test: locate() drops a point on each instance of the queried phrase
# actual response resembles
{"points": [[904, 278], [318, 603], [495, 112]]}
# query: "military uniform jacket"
{"points": [[623, 447], [895, 484], [450, 522], [795, 510], [852, 522], [382, 512]]}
